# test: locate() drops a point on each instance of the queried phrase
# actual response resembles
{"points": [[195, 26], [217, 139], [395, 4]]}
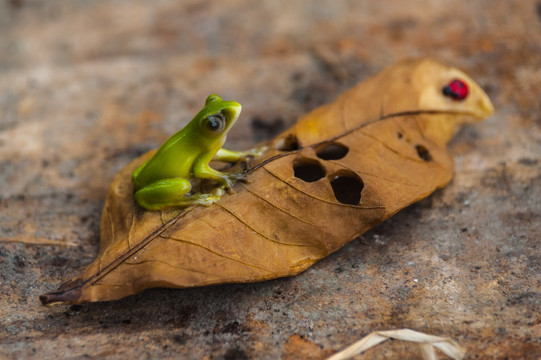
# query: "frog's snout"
{"points": [[236, 107], [233, 110]]}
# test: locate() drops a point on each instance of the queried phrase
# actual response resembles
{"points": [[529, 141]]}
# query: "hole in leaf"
{"points": [[423, 153], [308, 170], [287, 143], [347, 187], [333, 151], [399, 135]]}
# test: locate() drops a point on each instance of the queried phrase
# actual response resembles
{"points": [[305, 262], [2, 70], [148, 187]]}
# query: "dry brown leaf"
{"points": [[342, 169]]}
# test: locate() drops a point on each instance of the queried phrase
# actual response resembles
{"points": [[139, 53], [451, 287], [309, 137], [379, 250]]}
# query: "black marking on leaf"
{"points": [[423, 153]]}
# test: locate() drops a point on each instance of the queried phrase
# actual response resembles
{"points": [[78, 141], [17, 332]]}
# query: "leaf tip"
{"points": [[68, 293]]}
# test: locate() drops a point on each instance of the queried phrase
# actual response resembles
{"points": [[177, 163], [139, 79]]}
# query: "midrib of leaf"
{"points": [[215, 253], [119, 260]]}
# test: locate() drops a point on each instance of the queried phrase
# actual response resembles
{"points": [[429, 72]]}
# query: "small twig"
{"points": [[37, 241], [426, 343]]}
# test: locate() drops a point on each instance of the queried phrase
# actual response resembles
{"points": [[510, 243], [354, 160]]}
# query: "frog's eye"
{"points": [[456, 90], [212, 98], [214, 123]]}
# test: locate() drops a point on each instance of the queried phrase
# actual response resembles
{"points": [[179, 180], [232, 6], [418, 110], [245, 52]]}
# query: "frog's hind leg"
{"points": [[170, 193]]}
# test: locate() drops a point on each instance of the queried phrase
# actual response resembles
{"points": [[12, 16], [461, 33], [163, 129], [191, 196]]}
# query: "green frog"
{"points": [[163, 181]]}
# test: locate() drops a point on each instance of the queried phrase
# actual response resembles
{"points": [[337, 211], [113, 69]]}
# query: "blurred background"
{"points": [[86, 86]]}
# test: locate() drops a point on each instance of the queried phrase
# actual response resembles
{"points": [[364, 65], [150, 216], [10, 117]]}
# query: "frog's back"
{"points": [[173, 160]]}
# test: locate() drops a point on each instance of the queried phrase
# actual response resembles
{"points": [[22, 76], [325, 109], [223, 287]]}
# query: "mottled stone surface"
{"points": [[85, 86]]}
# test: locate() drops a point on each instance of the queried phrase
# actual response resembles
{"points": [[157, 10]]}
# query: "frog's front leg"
{"points": [[234, 156], [202, 170], [169, 193]]}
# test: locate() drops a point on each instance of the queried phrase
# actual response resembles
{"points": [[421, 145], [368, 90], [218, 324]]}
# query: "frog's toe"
{"points": [[217, 193], [257, 151], [210, 198], [207, 202], [233, 178]]}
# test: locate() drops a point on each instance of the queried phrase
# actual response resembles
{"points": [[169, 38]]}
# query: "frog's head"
{"points": [[217, 117]]}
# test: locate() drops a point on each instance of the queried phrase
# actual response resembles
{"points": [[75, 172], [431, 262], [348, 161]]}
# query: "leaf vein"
{"points": [[165, 263], [259, 233], [379, 141], [212, 251], [376, 176], [276, 206], [324, 200]]}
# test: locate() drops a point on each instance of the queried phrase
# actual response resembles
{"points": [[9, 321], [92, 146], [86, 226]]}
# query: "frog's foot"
{"points": [[206, 199], [232, 179]]}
